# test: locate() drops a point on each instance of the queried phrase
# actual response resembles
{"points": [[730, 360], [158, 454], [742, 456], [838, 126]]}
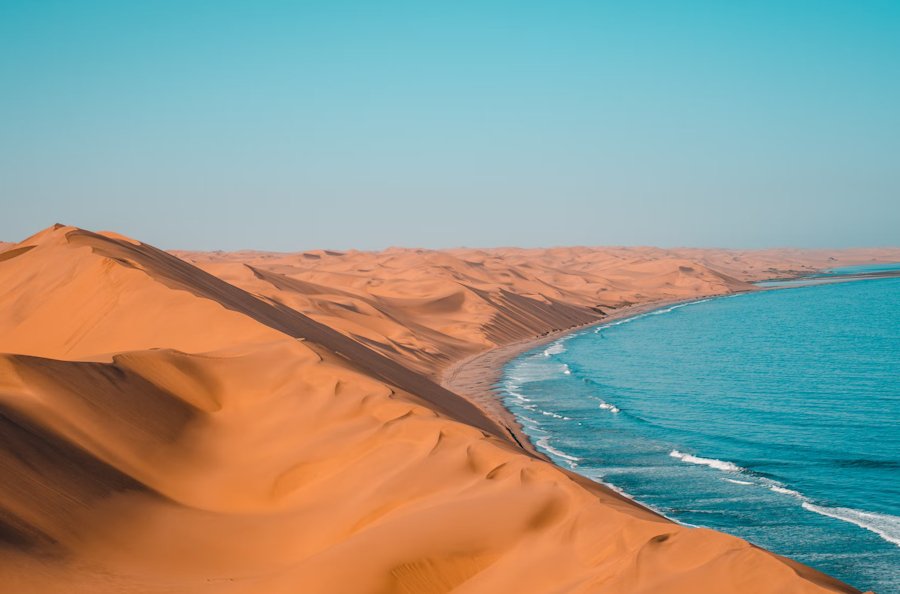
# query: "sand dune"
{"points": [[265, 423], [428, 308]]}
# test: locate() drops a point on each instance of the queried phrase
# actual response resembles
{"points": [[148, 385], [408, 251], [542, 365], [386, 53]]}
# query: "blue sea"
{"points": [[772, 415]]}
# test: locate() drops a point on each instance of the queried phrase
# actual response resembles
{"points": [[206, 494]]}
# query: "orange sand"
{"points": [[266, 423]]}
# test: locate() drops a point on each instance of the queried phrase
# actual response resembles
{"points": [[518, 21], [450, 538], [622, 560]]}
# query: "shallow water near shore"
{"points": [[774, 416]]}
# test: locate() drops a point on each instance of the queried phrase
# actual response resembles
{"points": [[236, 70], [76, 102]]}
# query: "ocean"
{"points": [[773, 416]]}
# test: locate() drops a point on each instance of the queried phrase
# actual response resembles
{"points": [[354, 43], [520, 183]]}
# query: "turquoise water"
{"points": [[774, 416]]}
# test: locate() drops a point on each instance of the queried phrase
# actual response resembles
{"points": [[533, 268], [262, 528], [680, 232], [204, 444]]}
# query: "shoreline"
{"points": [[475, 377]]}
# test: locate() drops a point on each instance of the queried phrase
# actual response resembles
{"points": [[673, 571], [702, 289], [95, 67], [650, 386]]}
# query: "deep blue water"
{"points": [[774, 416]]}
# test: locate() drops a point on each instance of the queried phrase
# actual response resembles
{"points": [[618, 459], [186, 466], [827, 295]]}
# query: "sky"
{"points": [[360, 124]]}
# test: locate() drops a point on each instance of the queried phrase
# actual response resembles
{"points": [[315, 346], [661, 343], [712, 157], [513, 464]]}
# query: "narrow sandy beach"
{"points": [[475, 377]]}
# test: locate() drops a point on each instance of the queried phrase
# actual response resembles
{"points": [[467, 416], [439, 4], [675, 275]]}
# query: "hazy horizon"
{"points": [[176, 248], [349, 125]]}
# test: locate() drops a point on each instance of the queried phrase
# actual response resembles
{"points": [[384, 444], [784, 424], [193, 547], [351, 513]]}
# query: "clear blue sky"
{"points": [[294, 125]]}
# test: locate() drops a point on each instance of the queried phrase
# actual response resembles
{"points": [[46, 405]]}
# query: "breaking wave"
{"points": [[884, 525], [557, 348], [711, 462], [737, 482], [544, 444], [654, 312]]}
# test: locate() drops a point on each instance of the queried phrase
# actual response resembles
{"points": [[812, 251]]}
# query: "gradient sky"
{"points": [[295, 125]]}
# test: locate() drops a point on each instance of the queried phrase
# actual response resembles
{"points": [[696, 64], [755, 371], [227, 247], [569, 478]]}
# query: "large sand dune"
{"points": [[269, 423], [428, 308]]}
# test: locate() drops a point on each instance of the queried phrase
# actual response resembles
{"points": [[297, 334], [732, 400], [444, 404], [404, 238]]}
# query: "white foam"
{"points": [[531, 370], [619, 322], [557, 348], [570, 460], [655, 312], [737, 482], [555, 415], [711, 462], [677, 306], [566, 369], [884, 525], [785, 491], [529, 421], [518, 396], [610, 407]]}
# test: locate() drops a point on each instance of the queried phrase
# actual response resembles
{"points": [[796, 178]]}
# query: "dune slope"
{"points": [[164, 430]]}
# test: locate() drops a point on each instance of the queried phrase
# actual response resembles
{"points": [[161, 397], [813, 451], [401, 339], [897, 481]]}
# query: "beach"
{"points": [[475, 377]]}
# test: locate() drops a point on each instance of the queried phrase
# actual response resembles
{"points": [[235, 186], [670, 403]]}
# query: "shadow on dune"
{"points": [[177, 274]]}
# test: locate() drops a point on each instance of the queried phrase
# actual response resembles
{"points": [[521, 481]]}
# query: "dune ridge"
{"points": [[256, 422]]}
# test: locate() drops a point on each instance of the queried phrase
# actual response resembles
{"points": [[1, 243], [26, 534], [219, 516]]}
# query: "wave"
{"points": [[557, 348], [777, 488], [884, 525], [655, 312], [566, 369], [711, 462], [676, 306], [610, 407], [533, 370], [544, 443], [618, 323], [526, 420], [517, 395]]}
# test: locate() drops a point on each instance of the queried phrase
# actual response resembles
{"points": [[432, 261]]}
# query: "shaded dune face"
{"points": [[47, 479], [75, 434], [176, 274], [234, 444]]}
